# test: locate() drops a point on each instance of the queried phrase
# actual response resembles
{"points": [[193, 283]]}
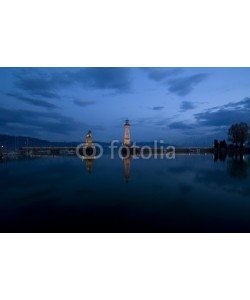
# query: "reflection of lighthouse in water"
{"points": [[127, 163], [89, 164]]}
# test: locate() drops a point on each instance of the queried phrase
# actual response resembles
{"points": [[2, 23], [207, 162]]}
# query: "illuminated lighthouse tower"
{"points": [[89, 146], [126, 141], [89, 139]]}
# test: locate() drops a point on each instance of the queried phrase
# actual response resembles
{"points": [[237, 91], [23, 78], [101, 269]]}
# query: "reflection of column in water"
{"points": [[127, 162], [89, 164]]}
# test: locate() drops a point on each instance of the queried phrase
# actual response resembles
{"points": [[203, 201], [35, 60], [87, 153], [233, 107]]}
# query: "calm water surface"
{"points": [[190, 193]]}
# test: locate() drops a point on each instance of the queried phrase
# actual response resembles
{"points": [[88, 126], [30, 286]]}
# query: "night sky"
{"points": [[182, 106]]}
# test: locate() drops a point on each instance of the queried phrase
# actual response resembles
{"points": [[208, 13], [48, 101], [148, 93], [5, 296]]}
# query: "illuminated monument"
{"points": [[89, 139], [88, 146], [89, 151], [126, 140], [128, 148]]}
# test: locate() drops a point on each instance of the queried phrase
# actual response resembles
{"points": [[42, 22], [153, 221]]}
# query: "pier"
{"points": [[46, 150]]}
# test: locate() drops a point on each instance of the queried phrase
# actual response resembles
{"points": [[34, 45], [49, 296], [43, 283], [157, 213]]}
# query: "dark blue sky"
{"points": [[178, 105]]}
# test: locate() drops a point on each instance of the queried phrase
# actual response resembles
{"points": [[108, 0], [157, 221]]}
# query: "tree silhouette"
{"points": [[238, 134]]}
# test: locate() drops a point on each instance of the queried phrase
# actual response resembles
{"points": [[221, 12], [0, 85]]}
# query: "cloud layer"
{"points": [[180, 86], [47, 84], [64, 102], [186, 105], [33, 101], [226, 115], [185, 85], [217, 119]]}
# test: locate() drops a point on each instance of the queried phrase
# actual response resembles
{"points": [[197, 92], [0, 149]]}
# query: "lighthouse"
{"points": [[89, 139], [89, 149], [126, 140]]}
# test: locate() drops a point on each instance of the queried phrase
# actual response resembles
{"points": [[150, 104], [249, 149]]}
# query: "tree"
{"points": [[238, 133], [216, 144]]}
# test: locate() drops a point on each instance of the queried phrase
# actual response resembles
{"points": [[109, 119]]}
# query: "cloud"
{"points": [[211, 123], [159, 74], [184, 85], [226, 115], [37, 122], [46, 120], [186, 105], [83, 103], [181, 125], [48, 84], [117, 79], [158, 107], [245, 103], [40, 84], [177, 85], [217, 119], [36, 102]]}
